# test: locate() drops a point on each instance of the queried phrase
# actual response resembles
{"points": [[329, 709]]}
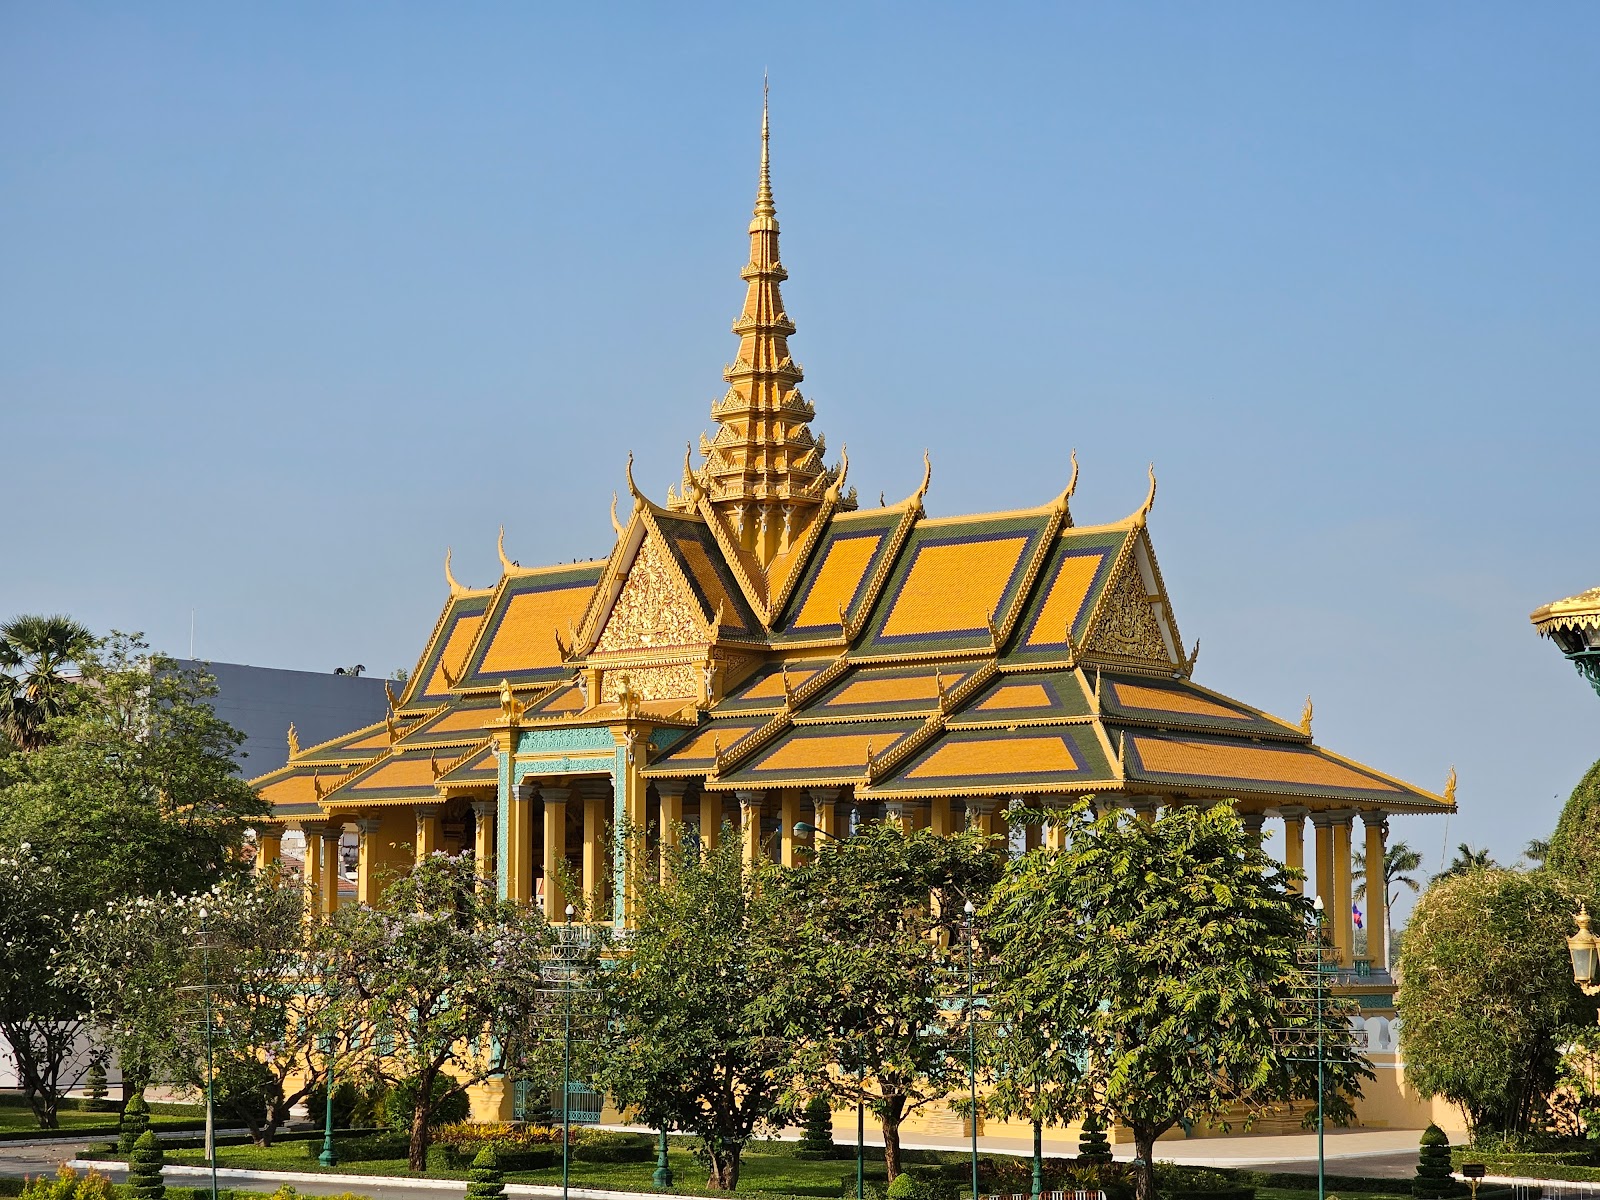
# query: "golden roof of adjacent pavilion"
{"points": [[760, 630], [1575, 612]]}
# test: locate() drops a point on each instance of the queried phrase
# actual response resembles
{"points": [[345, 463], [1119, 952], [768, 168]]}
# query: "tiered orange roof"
{"points": [[791, 640]]}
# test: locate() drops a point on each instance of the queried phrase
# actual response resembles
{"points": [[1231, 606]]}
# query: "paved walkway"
{"points": [[1373, 1152]]}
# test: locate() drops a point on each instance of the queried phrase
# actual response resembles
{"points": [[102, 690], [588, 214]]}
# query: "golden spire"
{"points": [[763, 470]]}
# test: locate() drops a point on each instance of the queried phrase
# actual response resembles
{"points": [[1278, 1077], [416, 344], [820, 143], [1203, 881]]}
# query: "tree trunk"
{"points": [[725, 1163], [889, 1120], [1144, 1150], [417, 1155]]}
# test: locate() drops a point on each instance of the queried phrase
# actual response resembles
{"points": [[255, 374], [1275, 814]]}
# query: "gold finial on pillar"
{"points": [[1305, 718], [1450, 787]]}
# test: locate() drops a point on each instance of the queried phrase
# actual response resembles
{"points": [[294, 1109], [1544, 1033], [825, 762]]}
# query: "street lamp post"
{"points": [[972, 1046], [328, 1158], [1322, 1059], [211, 1073], [566, 1069]]}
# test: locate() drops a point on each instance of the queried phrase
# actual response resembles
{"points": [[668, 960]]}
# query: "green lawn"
{"points": [[15, 1114], [763, 1173]]}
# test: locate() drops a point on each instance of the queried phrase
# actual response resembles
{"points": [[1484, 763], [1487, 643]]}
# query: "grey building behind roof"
{"points": [[261, 702]]}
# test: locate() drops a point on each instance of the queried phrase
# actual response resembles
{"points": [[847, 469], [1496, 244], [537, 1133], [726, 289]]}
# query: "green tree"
{"points": [[41, 1014], [135, 791], [875, 953], [1173, 946], [145, 1161], [428, 973], [1466, 861], [702, 1011], [1574, 851], [35, 687], [1399, 860], [1034, 1065], [140, 964], [1486, 991]]}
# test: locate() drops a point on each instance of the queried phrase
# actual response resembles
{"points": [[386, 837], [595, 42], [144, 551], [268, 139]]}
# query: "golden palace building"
{"points": [[758, 650]]}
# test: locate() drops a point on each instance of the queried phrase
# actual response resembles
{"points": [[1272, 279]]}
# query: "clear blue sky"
{"points": [[294, 296]]}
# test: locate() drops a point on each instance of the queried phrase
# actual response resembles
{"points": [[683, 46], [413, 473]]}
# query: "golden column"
{"points": [[518, 867], [788, 813], [941, 817], [1033, 832], [710, 819], [1322, 828], [429, 834], [483, 847], [1144, 807], [596, 862], [1294, 840], [555, 851], [825, 811], [330, 870], [366, 853], [980, 814], [750, 825], [671, 792], [269, 846], [311, 867], [1376, 827], [1343, 928]]}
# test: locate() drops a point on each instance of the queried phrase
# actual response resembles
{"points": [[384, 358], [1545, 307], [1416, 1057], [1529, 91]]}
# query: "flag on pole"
{"points": [[1355, 915]]}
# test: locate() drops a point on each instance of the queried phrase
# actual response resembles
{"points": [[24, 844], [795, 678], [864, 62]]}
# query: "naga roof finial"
{"points": [[1450, 787], [1305, 718], [456, 586], [294, 741], [633, 488], [1060, 504], [836, 488], [1150, 498], [615, 524], [506, 564]]}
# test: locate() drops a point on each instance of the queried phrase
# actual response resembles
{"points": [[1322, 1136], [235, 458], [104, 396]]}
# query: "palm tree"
{"points": [[1398, 860], [1465, 862], [35, 652], [1536, 851]]}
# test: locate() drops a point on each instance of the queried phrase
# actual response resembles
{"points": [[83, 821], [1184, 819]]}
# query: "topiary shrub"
{"points": [[1433, 1180], [1093, 1144], [135, 1121], [144, 1168], [816, 1138], [915, 1184], [96, 1083], [347, 1099], [1572, 853], [487, 1181]]}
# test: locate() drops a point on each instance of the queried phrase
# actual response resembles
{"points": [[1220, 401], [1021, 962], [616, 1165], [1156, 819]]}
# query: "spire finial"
{"points": [[764, 205]]}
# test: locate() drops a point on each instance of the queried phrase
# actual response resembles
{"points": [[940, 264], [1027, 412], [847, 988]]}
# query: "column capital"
{"points": [[485, 808], [367, 826], [1253, 822], [671, 787], [1142, 804], [317, 829], [750, 797], [424, 811], [555, 793], [1341, 816], [1323, 818], [1375, 818], [1293, 812], [982, 805]]}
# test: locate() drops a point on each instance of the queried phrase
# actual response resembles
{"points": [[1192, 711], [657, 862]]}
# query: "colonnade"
{"points": [[559, 834]]}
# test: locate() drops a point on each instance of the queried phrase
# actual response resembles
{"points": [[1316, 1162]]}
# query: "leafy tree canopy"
{"points": [[35, 686], [426, 970], [702, 1012], [135, 790], [876, 946], [1486, 991], [1574, 848], [1173, 946]]}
